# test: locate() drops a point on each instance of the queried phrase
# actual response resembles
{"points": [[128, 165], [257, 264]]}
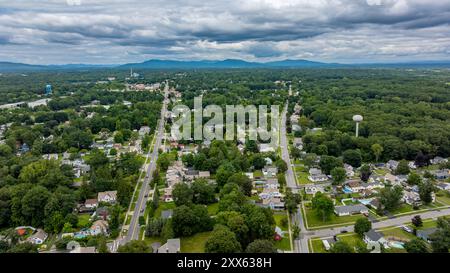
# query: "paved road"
{"points": [[398, 221], [300, 245], [134, 228]]}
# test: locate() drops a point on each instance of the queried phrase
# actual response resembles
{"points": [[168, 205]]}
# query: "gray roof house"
{"points": [[172, 246], [373, 236], [166, 214], [349, 210], [425, 233]]}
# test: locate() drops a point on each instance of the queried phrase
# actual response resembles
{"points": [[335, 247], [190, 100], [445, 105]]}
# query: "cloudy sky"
{"points": [[120, 31]]}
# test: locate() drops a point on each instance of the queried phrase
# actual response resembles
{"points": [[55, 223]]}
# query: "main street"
{"points": [[301, 244], [134, 228]]}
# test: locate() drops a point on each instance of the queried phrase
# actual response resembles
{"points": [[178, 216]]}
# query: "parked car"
{"points": [[344, 231], [407, 229]]}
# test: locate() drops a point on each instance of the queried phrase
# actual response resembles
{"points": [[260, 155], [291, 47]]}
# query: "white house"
{"points": [[91, 203], [107, 197], [99, 227], [350, 210], [266, 148], [38, 237], [313, 189], [269, 171], [349, 170], [316, 175], [392, 165], [373, 236]]}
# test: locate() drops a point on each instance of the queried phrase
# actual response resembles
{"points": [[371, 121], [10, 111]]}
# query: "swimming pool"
{"points": [[347, 190], [396, 244]]}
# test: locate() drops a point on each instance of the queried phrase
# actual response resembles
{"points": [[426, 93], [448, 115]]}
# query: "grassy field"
{"points": [[302, 175], [163, 206], [284, 244], [443, 197], [404, 208], [257, 173], [279, 219], [315, 221], [195, 243], [213, 208], [351, 238], [83, 220], [397, 233]]}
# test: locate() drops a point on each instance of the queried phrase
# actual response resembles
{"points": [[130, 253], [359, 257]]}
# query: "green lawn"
{"points": [[278, 219], [83, 220], [302, 175], [283, 244], [213, 208], [195, 243], [404, 208], [397, 233], [351, 238], [381, 171], [257, 173], [315, 221], [443, 197], [317, 246], [164, 206]]}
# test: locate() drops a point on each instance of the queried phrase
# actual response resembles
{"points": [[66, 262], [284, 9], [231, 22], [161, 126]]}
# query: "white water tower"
{"points": [[357, 119]]}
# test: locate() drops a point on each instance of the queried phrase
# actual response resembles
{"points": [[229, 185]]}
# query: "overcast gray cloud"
{"points": [[113, 31]]}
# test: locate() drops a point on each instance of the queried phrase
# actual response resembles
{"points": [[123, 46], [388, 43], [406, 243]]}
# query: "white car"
{"points": [[407, 229]]}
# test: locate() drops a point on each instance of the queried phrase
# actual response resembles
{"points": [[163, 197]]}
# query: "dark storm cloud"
{"points": [[249, 29]]}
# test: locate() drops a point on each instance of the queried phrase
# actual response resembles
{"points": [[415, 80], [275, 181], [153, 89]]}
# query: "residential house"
{"points": [[392, 165], [373, 236], [274, 203], [191, 174], [168, 195], [266, 148], [204, 174], [441, 174], [85, 250], [372, 185], [166, 214], [313, 189], [411, 198], [349, 170], [144, 130], [99, 227], [316, 175], [443, 186], [298, 143], [425, 233], [268, 160], [107, 197], [172, 246], [394, 180], [354, 185], [350, 210], [438, 160], [375, 203], [249, 175], [91, 203], [38, 237], [270, 171], [296, 128]]}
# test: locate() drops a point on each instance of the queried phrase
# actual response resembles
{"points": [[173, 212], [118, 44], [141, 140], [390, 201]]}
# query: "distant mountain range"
{"points": [[20, 67], [224, 64]]}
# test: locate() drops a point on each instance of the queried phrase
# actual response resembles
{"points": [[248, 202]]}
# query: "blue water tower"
{"points": [[48, 89]]}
